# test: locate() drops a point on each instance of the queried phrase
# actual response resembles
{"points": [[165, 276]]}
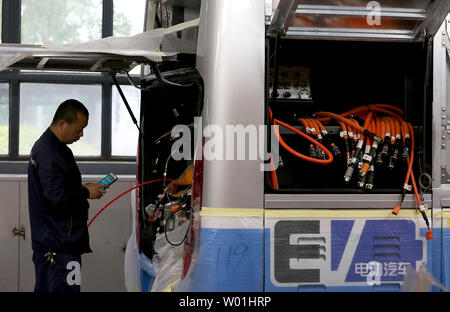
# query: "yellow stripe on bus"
{"points": [[341, 213], [231, 212]]}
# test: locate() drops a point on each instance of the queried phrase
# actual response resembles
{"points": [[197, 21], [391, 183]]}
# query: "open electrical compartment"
{"points": [[182, 94], [334, 213], [327, 57], [342, 76]]}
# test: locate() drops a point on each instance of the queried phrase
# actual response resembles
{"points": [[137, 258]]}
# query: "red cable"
{"points": [[273, 175], [134, 187], [312, 140], [295, 153]]}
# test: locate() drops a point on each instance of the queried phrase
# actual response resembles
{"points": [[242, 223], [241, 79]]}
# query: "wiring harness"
{"points": [[384, 138]]}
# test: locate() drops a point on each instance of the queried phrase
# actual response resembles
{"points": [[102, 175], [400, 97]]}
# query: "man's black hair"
{"points": [[68, 111]]}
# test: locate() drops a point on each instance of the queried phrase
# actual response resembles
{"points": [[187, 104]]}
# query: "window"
{"points": [[29, 98], [61, 22], [124, 132], [39, 102], [128, 19], [4, 118]]}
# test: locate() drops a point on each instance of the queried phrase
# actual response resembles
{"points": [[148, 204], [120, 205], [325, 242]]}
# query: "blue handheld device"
{"points": [[108, 180]]}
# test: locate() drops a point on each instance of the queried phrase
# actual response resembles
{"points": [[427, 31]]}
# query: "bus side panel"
{"points": [[345, 250], [229, 256], [446, 249]]}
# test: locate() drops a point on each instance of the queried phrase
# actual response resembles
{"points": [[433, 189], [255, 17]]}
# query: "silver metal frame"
{"points": [[234, 94], [402, 13], [441, 105], [285, 10], [427, 20]]}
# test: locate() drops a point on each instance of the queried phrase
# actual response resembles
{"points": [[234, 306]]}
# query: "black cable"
{"points": [[165, 230], [163, 81]]}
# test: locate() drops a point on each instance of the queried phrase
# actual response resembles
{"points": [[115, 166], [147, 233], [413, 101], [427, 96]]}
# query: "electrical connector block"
{"points": [[349, 173]]}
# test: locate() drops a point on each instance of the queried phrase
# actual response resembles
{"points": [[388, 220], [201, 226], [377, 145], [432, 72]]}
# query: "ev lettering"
{"points": [[284, 251], [343, 252]]}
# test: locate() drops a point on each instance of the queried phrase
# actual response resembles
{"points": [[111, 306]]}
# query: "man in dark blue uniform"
{"points": [[58, 202]]}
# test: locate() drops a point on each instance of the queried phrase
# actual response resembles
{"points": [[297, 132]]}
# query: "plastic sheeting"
{"points": [[131, 263], [147, 44], [420, 281], [228, 253], [168, 260]]}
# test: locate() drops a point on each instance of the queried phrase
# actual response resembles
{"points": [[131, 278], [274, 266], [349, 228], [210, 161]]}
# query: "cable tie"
{"points": [[422, 208], [407, 187]]}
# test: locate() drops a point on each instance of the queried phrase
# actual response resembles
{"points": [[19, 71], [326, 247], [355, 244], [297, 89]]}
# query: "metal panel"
{"points": [[341, 201], [359, 20], [9, 244], [324, 250], [234, 94], [441, 106], [103, 269]]}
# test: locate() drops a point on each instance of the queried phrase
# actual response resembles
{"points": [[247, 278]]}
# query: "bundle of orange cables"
{"points": [[380, 121]]}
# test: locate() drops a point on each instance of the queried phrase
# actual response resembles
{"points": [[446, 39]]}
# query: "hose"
{"points": [[119, 196]]}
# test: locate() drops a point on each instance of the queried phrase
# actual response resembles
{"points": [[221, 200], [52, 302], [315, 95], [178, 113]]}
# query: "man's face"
{"points": [[74, 131]]}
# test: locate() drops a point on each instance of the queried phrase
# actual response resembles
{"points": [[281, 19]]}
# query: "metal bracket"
{"points": [[17, 232], [446, 35], [445, 126], [42, 63], [269, 9], [445, 177]]}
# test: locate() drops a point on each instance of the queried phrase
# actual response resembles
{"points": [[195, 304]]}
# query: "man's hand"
{"points": [[95, 191]]}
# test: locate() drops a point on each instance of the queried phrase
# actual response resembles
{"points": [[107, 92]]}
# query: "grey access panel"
{"points": [[103, 269]]}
